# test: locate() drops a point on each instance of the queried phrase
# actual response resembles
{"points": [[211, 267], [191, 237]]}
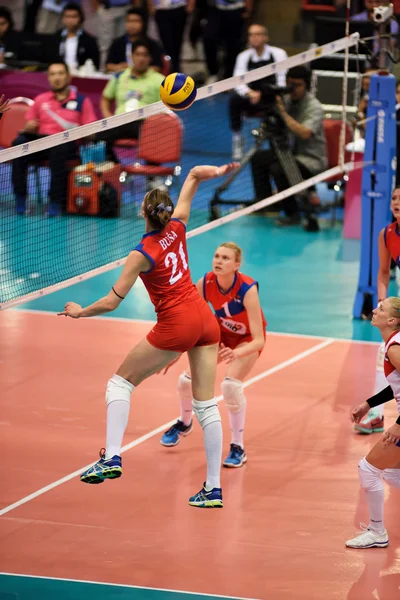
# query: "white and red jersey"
{"points": [[168, 282], [391, 373], [229, 305], [391, 236]]}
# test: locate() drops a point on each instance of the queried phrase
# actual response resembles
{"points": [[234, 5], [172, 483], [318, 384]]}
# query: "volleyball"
{"points": [[178, 91]]}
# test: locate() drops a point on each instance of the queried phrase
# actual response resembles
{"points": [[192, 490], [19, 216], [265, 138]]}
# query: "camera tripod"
{"points": [[271, 129]]}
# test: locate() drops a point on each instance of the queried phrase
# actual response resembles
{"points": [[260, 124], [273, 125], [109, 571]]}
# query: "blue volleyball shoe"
{"points": [[205, 499], [174, 434], [236, 457], [105, 468]]}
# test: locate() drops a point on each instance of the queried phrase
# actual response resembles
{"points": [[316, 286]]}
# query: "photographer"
{"points": [[301, 117]]}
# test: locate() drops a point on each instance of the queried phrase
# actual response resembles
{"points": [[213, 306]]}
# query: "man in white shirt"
{"points": [[248, 98]]}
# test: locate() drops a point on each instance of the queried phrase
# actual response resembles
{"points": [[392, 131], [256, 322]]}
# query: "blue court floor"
{"points": [[15, 587]]}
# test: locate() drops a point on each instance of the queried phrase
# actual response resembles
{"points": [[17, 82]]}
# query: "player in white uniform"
{"points": [[383, 461]]}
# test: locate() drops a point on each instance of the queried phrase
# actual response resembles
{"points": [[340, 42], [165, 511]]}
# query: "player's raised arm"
{"points": [[189, 188], [135, 263]]}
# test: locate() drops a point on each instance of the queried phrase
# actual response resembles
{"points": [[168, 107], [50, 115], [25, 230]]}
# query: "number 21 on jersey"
{"points": [[173, 259]]}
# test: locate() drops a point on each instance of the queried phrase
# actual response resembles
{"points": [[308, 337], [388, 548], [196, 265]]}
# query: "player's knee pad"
{"points": [[392, 476], [232, 391], [370, 476], [206, 412], [118, 389], [380, 357], [184, 386]]}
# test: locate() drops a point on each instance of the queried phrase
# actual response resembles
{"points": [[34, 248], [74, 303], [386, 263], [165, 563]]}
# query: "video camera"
{"points": [[382, 14]]}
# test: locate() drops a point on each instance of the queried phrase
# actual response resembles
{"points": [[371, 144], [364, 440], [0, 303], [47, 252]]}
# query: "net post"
{"points": [[378, 179]]}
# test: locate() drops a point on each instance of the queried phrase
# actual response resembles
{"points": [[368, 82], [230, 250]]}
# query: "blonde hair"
{"points": [[395, 309], [158, 208], [237, 250]]}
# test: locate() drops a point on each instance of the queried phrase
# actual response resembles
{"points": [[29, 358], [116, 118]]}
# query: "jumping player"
{"points": [[383, 461], [184, 324], [389, 248], [234, 298]]}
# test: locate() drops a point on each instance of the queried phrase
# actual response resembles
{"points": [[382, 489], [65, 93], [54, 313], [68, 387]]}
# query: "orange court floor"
{"points": [[287, 512]]}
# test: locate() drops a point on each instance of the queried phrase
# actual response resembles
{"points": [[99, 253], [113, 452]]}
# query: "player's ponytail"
{"points": [[158, 208]]}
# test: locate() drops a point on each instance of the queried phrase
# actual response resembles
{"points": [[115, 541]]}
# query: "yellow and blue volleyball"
{"points": [[178, 91]]}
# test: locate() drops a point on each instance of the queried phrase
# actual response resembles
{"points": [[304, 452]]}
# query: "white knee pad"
{"points": [[118, 389], [370, 477], [206, 412], [380, 357], [184, 386], [232, 391], [392, 476]]}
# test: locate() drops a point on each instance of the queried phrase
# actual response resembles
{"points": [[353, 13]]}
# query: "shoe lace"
{"points": [[236, 451], [178, 426]]}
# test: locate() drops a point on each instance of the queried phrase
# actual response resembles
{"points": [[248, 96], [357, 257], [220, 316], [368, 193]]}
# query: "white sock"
{"points": [[118, 405], [371, 481], [375, 505], [209, 418], [236, 423], [380, 384], [185, 398]]}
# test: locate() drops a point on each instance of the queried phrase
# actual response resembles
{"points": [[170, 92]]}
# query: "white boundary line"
{"points": [[294, 189], [206, 91], [147, 436], [121, 585], [150, 322]]}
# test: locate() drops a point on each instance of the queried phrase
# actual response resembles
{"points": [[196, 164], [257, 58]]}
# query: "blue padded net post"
{"points": [[378, 182]]}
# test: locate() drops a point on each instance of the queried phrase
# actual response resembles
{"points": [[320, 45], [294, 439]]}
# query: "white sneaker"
{"points": [[369, 539], [237, 147]]}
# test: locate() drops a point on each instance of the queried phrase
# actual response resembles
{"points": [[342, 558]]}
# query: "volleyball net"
{"points": [[70, 203]]}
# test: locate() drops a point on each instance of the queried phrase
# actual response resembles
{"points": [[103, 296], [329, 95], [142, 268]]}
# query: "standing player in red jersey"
{"points": [[234, 298], [185, 323], [389, 248]]}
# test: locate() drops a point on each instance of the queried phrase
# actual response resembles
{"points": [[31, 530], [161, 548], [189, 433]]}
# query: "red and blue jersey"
{"points": [[391, 236], [229, 305], [168, 281]]}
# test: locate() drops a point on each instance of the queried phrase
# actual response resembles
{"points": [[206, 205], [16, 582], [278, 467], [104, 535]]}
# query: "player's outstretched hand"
{"points": [[392, 435], [204, 172], [4, 105], [359, 412], [226, 354], [71, 309]]}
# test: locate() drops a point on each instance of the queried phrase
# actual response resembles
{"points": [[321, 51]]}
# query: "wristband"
{"points": [[381, 397]]}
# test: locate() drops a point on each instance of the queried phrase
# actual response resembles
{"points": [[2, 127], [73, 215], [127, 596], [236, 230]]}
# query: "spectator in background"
{"points": [[249, 98], [225, 22], [133, 88], [72, 43], [111, 22], [59, 110], [49, 15], [170, 16], [302, 116], [9, 39], [120, 54]]}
